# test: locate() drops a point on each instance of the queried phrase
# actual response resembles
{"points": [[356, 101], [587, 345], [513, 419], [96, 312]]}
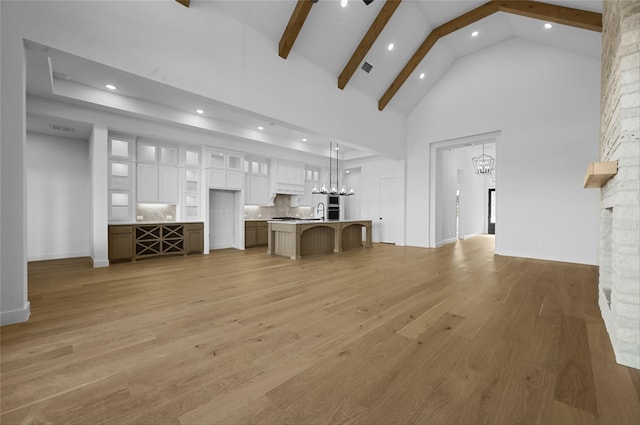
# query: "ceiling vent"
{"points": [[62, 128], [367, 67]]}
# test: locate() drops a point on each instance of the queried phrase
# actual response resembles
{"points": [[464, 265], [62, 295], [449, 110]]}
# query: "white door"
{"points": [[222, 231], [387, 211]]}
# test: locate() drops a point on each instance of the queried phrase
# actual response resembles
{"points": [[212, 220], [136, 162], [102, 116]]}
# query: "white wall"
{"points": [[371, 172], [58, 197], [352, 204], [14, 306], [545, 102]]}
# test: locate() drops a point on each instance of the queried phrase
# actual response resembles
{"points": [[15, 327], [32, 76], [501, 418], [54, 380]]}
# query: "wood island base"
{"points": [[298, 238]]}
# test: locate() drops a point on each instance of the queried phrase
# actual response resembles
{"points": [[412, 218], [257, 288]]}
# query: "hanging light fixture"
{"points": [[333, 186], [483, 164]]}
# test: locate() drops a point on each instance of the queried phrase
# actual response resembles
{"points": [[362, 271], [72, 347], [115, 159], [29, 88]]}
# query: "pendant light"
{"points": [[483, 164]]}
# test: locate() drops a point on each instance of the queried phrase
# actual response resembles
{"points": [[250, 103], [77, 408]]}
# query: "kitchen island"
{"points": [[298, 238]]}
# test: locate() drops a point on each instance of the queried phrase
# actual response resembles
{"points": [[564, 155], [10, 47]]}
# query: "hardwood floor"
{"points": [[378, 335]]}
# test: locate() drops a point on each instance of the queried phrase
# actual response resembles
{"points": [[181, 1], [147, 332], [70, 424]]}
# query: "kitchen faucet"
{"points": [[318, 209]]}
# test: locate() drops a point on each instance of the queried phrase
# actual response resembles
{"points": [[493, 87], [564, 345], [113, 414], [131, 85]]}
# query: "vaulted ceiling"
{"points": [[428, 37]]}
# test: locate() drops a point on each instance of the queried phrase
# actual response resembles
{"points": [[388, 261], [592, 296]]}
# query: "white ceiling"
{"points": [[327, 39]]}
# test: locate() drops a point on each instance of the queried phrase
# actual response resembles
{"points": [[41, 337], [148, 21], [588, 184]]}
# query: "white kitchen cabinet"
{"points": [[120, 175], [147, 152], [312, 179], [190, 194], [235, 179], [216, 159], [120, 206], [168, 155], [156, 153], [147, 183], [217, 178], [287, 177], [122, 148], [168, 184], [257, 190], [157, 184], [190, 157], [224, 169]]}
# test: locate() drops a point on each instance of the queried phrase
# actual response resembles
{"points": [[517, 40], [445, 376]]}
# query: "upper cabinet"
{"points": [[157, 153], [256, 187], [157, 184], [157, 172], [287, 177], [224, 169], [312, 179], [190, 156], [121, 177], [122, 148]]}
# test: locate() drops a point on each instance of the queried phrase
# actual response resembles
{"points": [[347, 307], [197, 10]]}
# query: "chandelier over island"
{"points": [[333, 184]]}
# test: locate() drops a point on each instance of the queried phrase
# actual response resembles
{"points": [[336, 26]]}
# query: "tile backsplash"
{"points": [[281, 208], [155, 213]]}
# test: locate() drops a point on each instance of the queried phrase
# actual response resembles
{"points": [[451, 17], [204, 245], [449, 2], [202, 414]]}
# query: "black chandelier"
{"points": [[333, 188]]}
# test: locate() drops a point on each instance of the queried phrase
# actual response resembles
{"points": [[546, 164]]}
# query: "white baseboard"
{"points": [[99, 263], [446, 241], [15, 316], [471, 235], [58, 256]]}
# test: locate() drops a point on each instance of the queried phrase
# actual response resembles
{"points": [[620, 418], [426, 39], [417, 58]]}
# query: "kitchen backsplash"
{"points": [[281, 208], [154, 213]]}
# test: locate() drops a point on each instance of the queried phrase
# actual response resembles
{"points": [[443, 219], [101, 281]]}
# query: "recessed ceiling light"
{"points": [[474, 34], [422, 76], [343, 3], [390, 46], [200, 111], [110, 86], [548, 26], [304, 139], [348, 171], [260, 128]]}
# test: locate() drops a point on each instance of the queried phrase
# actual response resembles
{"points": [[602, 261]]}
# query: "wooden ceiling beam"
{"points": [[532, 9], [367, 41], [439, 32], [294, 26], [553, 13], [185, 3]]}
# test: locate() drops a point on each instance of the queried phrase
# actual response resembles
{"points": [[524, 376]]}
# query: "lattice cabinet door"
{"points": [[173, 238], [148, 240]]}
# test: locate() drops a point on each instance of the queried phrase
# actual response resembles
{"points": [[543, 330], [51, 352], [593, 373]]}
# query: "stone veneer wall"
{"points": [[619, 285]]}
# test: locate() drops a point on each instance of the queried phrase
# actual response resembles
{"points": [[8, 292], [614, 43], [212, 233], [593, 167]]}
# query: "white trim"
{"points": [[58, 256], [471, 235], [15, 316], [99, 263], [489, 137], [447, 241]]}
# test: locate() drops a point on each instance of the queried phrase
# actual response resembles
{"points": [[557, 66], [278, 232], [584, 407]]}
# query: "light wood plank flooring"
{"points": [[382, 335]]}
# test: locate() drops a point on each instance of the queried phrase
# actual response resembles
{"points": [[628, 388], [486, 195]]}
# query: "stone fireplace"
{"points": [[619, 282]]}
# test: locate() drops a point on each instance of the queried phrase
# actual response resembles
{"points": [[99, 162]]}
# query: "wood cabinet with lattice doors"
{"points": [[137, 241]]}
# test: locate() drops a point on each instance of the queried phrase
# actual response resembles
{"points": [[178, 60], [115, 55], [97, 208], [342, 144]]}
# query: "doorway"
{"points": [[387, 208], [222, 219], [491, 228]]}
